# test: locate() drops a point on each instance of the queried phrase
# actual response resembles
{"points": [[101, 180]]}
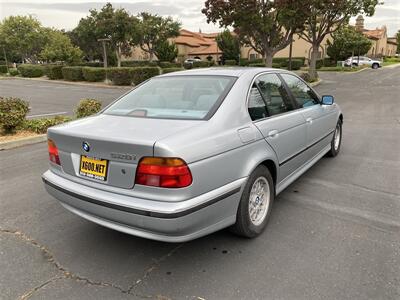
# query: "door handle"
{"points": [[273, 133], [309, 120]]}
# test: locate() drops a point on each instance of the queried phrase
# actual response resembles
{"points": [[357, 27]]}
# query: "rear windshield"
{"points": [[175, 97]]}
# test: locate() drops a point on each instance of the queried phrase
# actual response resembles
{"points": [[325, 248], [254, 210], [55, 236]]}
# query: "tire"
{"points": [[375, 66], [245, 225], [355, 64], [336, 144]]}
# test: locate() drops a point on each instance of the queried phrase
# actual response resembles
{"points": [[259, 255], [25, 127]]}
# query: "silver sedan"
{"points": [[189, 153]]}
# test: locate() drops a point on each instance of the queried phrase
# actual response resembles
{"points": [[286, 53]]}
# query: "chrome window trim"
{"points": [[278, 115]]}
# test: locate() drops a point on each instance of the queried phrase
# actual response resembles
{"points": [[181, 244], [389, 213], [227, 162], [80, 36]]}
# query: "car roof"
{"points": [[223, 71]]}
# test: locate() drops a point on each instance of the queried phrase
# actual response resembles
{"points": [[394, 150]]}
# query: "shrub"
{"points": [[230, 62], [170, 70], [3, 69], [12, 113], [94, 74], [41, 125], [31, 70], [87, 107], [72, 73], [13, 72], [120, 76], [54, 72], [141, 74], [274, 65]]}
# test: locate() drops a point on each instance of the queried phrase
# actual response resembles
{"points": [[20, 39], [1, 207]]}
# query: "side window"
{"points": [[274, 94], [257, 109], [303, 95]]}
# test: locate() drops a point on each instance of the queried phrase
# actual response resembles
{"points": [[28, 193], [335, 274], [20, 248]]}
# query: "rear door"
{"points": [[320, 119], [283, 127]]}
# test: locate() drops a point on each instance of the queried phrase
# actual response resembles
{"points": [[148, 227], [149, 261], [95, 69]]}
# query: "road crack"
{"points": [[153, 267], [65, 274]]}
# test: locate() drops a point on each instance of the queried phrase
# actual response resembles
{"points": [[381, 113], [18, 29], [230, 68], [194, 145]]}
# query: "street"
{"points": [[333, 234]]}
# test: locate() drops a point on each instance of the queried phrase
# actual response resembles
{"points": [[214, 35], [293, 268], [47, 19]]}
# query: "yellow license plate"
{"points": [[93, 168]]}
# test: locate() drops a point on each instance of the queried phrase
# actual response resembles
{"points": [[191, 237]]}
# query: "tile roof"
{"points": [[203, 43]]}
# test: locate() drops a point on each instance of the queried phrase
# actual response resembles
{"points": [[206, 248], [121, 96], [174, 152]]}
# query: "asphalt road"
{"points": [[333, 234], [54, 98]]}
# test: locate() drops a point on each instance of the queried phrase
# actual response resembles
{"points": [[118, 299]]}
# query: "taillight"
{"points": [[163, 172], [53, 152]]}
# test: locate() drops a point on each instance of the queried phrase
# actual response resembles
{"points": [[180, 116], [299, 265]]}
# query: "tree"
{"points": [[166, 51], [265, 25], [154, 30], [22, 37], [116, 25], [229, 45], [59, 48], [327, 16], [347, 42], [398, 41], [84, 36]]}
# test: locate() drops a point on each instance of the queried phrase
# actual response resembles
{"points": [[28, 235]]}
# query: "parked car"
{"points": [[363, 60], [189, 153], [191, 60]]}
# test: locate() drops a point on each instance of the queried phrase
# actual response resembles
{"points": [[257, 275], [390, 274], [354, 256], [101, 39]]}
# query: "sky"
{"points": [[65, 14]]}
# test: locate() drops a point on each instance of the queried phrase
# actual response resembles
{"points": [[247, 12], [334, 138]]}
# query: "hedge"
{"points": [[3, 69], [93, 74], [120, 76], [138, 63], [54, 72], [320, 63], [72, 73], [257, 65], [141, 74], [230, 62], [201, 64], [170, 70], [31, 70], [93, 64], [167, 64], [296, 64]]}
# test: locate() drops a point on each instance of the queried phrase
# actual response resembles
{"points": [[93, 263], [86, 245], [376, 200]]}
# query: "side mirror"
{"points": [[327, 100]]}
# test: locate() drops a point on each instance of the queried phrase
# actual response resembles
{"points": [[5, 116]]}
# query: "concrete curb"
{"points": [[316, 83], [391, 66], [79, 83], [22, 142]]}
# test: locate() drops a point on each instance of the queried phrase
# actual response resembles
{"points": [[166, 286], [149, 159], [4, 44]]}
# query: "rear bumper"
{"points": [[164, 221]]}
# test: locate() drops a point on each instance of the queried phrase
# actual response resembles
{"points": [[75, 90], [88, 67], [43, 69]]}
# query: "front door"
{"points": [[320, 119], [283, 127]]}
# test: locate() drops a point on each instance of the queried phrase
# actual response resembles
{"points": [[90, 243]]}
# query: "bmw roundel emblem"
{"points": [[86, 146]]}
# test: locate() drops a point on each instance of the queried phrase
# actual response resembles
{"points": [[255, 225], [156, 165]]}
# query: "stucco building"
{"points": [[204, 46]]}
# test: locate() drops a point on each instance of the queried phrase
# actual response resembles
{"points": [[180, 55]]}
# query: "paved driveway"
{"points": [[333, 234]]}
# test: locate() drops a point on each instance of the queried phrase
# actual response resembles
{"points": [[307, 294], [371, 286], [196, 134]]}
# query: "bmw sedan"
{"points": [[189, 153]]}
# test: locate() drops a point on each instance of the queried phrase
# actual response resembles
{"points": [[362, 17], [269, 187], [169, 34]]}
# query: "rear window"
{"points": [[175, 97]]}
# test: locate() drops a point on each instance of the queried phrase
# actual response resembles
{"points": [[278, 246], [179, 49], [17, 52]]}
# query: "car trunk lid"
{"points": [[116, 142]]}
